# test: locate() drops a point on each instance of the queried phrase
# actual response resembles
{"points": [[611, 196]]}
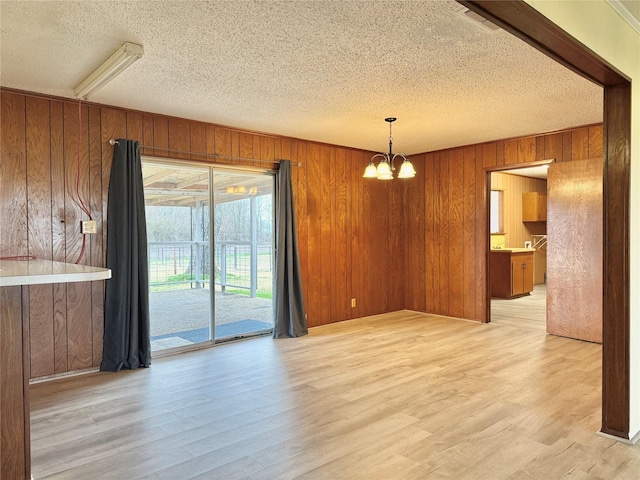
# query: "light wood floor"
{"points": [[529, 311], [396, 396]]}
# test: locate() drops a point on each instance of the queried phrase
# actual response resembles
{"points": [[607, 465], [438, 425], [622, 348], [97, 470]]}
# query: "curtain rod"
{"points": [[209, 155]]}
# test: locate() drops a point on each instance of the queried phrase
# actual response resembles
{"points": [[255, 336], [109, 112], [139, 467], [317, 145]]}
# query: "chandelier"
{"points": [[385, 169]]}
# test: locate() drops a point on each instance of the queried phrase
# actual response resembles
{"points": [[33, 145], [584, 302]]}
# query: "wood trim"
{"points": [[532, 27], [615, 313], [515, 166]]}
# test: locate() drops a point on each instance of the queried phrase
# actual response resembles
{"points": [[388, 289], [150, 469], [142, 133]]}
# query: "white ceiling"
{"points": [[328, 71], [539, 171]]}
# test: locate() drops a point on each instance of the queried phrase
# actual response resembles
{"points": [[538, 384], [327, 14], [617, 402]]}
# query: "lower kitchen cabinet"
{"points": [[511, 272]]}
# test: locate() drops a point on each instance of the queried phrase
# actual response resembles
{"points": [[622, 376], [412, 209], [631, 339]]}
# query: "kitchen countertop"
{"points": [[512, 250], [37, 272]]}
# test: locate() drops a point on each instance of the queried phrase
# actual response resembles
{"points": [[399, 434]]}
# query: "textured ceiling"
{"points": [[328, 71]]}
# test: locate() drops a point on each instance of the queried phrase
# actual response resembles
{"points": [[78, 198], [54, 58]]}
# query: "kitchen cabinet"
{"points": [[511, 272], [534, 207]]}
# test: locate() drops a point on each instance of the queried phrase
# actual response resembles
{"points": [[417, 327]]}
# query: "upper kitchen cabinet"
{"points": [[534, 207]]}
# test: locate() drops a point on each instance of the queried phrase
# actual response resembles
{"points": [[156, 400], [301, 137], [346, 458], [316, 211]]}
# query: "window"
{"points": [[496, 221]]}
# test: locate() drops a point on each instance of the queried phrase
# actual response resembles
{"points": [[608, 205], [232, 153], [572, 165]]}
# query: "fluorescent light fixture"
{"points": [[127, 54]]}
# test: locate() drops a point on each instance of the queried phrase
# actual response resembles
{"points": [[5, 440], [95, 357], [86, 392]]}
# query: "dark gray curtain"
{"points": [[291, 320], [126, 318]]}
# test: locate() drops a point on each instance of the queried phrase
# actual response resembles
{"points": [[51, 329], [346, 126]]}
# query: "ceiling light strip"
{"points": [[121, 59]]}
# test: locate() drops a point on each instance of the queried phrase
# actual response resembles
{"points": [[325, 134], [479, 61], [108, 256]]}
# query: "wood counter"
{"points": [[15, 276]]}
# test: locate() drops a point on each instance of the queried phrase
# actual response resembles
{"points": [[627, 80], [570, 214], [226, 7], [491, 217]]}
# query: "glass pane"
{"points": [[496, 211], [244, 261], [177, 211]]}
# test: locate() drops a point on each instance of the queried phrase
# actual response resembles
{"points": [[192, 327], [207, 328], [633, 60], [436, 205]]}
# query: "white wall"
{"points": [[599, 27]]}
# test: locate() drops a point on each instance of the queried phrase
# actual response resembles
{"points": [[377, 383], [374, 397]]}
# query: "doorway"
{"points": [[517, 247], [210, 269]]}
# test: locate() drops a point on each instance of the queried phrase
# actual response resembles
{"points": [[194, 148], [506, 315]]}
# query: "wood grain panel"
{"points": [[595, 141], [442, 230], [134, 126], [327, 186], [341, 284], [396, 249], [79, 324], [356, 167], [489, 155], [469, 240], [414, 228], [235, 143], [566, 147], [14, 451], [553, 146], [267, 152], [76, 157], [147, 135], [334, 225], [257, 142], [198, 141], [38, 161], [540, 153], [365, 249], [500, 153], [179, 138], [379, 257], [113, 126], [284, 148], [580, 144], [246, 150], [13, 176], [41, 343], [574, 285], [482, 248], [160, 136], [40, 305], [511, 152], [222, 141], [97, 257], [314, 226], [415, 259], [278, 152], [302, 215], [58, 234], [455, 218], [431, 253], [210, 139], [526, 149]]}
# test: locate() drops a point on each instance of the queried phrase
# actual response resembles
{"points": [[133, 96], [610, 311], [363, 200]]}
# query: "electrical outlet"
{"points": [[88, 227], [353, 303]]}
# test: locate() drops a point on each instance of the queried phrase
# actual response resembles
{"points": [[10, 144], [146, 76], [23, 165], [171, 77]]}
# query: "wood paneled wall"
{"points": [[418, 244], [350, 231], [445, 225], [513, 186]]}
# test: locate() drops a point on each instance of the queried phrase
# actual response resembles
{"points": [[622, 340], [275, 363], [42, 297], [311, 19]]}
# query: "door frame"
{"points": [[177, 163], [487, 183], [526, 23], [211, 169]]}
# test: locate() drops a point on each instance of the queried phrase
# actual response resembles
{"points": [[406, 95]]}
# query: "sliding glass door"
{"points": [[244, 260], [186, 308], [178, 226]]}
